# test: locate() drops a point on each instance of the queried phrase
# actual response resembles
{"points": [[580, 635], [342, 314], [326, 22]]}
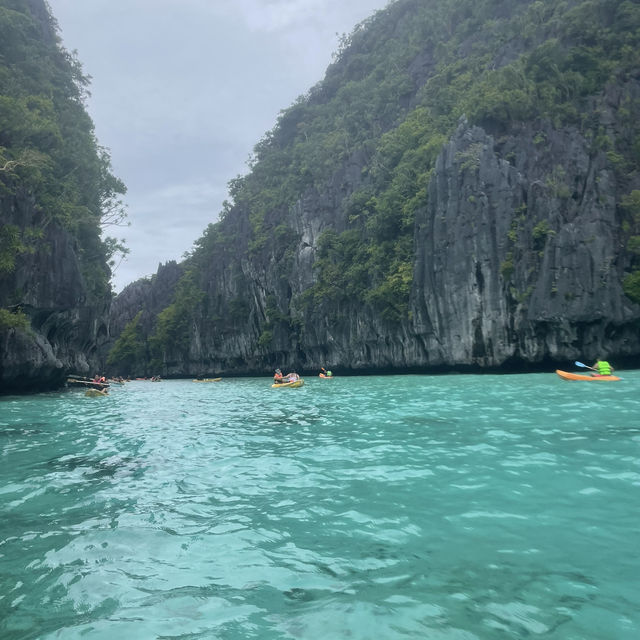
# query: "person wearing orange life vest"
{"points": [[602, 368]]}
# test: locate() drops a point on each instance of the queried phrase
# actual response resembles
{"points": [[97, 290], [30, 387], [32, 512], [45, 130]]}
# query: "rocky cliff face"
{"points": [[518, 262], [46, 284], [55, 183], [148, 295], [519, 240]]}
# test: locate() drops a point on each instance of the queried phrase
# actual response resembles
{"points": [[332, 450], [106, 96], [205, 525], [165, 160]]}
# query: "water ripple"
{"points": [[448, 507]]}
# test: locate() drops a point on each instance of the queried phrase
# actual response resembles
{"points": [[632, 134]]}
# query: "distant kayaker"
{"points": [[602, 368], [277, 376]]}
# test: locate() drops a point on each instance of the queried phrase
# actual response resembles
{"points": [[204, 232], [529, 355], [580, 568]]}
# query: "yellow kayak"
{"points": [[291, 385], [208, 380], [566, 375], [95, 393]]}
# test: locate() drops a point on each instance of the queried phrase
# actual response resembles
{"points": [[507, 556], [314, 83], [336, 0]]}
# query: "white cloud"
{"points": [[277, 15]]}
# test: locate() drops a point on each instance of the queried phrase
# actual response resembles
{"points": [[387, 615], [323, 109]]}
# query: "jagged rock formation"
{"points": [[64, 332], [54, 181], [151, 295], [518, 242], [493, 285]]}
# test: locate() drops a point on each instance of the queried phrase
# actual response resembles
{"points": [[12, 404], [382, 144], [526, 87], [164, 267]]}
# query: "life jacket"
{"points": [[604, 368]]}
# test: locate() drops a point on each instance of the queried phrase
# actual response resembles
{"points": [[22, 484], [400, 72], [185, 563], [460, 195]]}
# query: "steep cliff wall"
{"points": [[461, 190], [148, 295], [521, 261], [517, 262], [451, 195], [46, 284], [54, 182]]}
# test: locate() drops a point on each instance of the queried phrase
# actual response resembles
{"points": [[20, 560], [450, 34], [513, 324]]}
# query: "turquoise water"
{"points": [[432, 507]]}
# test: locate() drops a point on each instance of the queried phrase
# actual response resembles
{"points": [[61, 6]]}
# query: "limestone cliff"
{"points": [[453, 195], [46, 285], [517, 262], [461, 191], [54, 182], [520, 261]]}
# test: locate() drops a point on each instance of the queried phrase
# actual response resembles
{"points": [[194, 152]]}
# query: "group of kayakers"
{"points": [[279, 378], [600, 368], [98, 379]]}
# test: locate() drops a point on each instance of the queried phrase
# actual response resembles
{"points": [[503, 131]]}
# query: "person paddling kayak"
{"points": [[602, 368]]}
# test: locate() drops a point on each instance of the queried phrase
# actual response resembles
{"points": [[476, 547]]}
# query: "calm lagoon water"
{"points": [[433, 507]]}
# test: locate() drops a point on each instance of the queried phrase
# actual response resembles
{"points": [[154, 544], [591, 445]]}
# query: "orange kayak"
{"points": [[565, 375]]}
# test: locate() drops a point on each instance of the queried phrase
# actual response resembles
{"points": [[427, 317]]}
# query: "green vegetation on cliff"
{"points": [[174, 324], [130, 351], [48, 150], [399, 85]]}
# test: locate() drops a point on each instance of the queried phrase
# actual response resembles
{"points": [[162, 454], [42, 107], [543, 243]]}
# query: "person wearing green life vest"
{"points": [[602, 368]]}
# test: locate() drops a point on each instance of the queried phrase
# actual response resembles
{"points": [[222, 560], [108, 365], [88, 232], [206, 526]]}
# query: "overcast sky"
{"points": [[182, 90]]}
